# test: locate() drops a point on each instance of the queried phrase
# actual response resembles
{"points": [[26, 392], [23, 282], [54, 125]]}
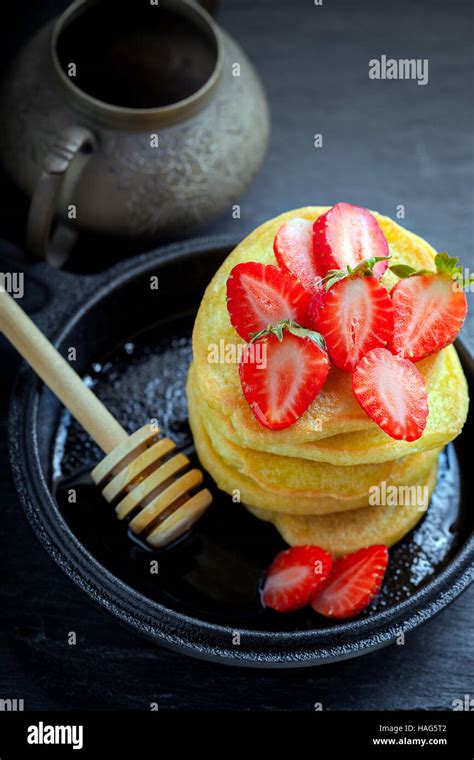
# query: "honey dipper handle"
{"points": [[59, 376]]}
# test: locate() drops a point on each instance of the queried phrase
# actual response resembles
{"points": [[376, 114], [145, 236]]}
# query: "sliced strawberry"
{"points": [[346, 235], [293, 247], [428, 308], [283, 376], [314, 308], [295, 577], [392, 391], [259, 295], [354, 581], [355, 316]]}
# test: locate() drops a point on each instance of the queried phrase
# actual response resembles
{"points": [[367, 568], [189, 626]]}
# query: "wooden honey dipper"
{"points": [[137, 474]]}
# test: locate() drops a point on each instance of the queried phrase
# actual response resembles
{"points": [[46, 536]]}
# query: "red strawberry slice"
{"points": [[355, 316], [354, 581], [295, 577], [314, 308], [428, 314], [259, 295], [346, 235], [293, 247], [392, 391], [280, 378]]}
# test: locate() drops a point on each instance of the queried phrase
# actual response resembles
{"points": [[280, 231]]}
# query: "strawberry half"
{"points": [[354, 581], [283, 377], [293, 248], [346, 235], [259, 295], [429, 309], [392, 391], [315, 304], [295, 577], [355, 316]]}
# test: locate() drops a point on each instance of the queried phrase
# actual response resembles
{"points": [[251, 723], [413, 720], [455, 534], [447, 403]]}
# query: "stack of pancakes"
{"points": [[325, 479]]}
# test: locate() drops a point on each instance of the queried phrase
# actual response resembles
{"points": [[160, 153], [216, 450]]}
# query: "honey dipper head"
{"points": [[153, 488]]}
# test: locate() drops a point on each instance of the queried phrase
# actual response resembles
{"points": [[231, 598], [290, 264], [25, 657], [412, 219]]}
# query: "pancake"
{"points": [[410, 471], [448, 405], [335, 411], [346, 532], [306, 487]]}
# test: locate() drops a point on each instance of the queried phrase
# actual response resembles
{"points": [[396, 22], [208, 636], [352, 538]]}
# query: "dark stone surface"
{"points": [[385, 144]]}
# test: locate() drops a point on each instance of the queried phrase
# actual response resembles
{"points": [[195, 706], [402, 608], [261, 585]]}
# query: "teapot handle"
{"points": [[39, 241]]}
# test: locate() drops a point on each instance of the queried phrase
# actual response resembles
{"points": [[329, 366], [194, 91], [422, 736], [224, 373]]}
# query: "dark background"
{"points": [[384, 144]]}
